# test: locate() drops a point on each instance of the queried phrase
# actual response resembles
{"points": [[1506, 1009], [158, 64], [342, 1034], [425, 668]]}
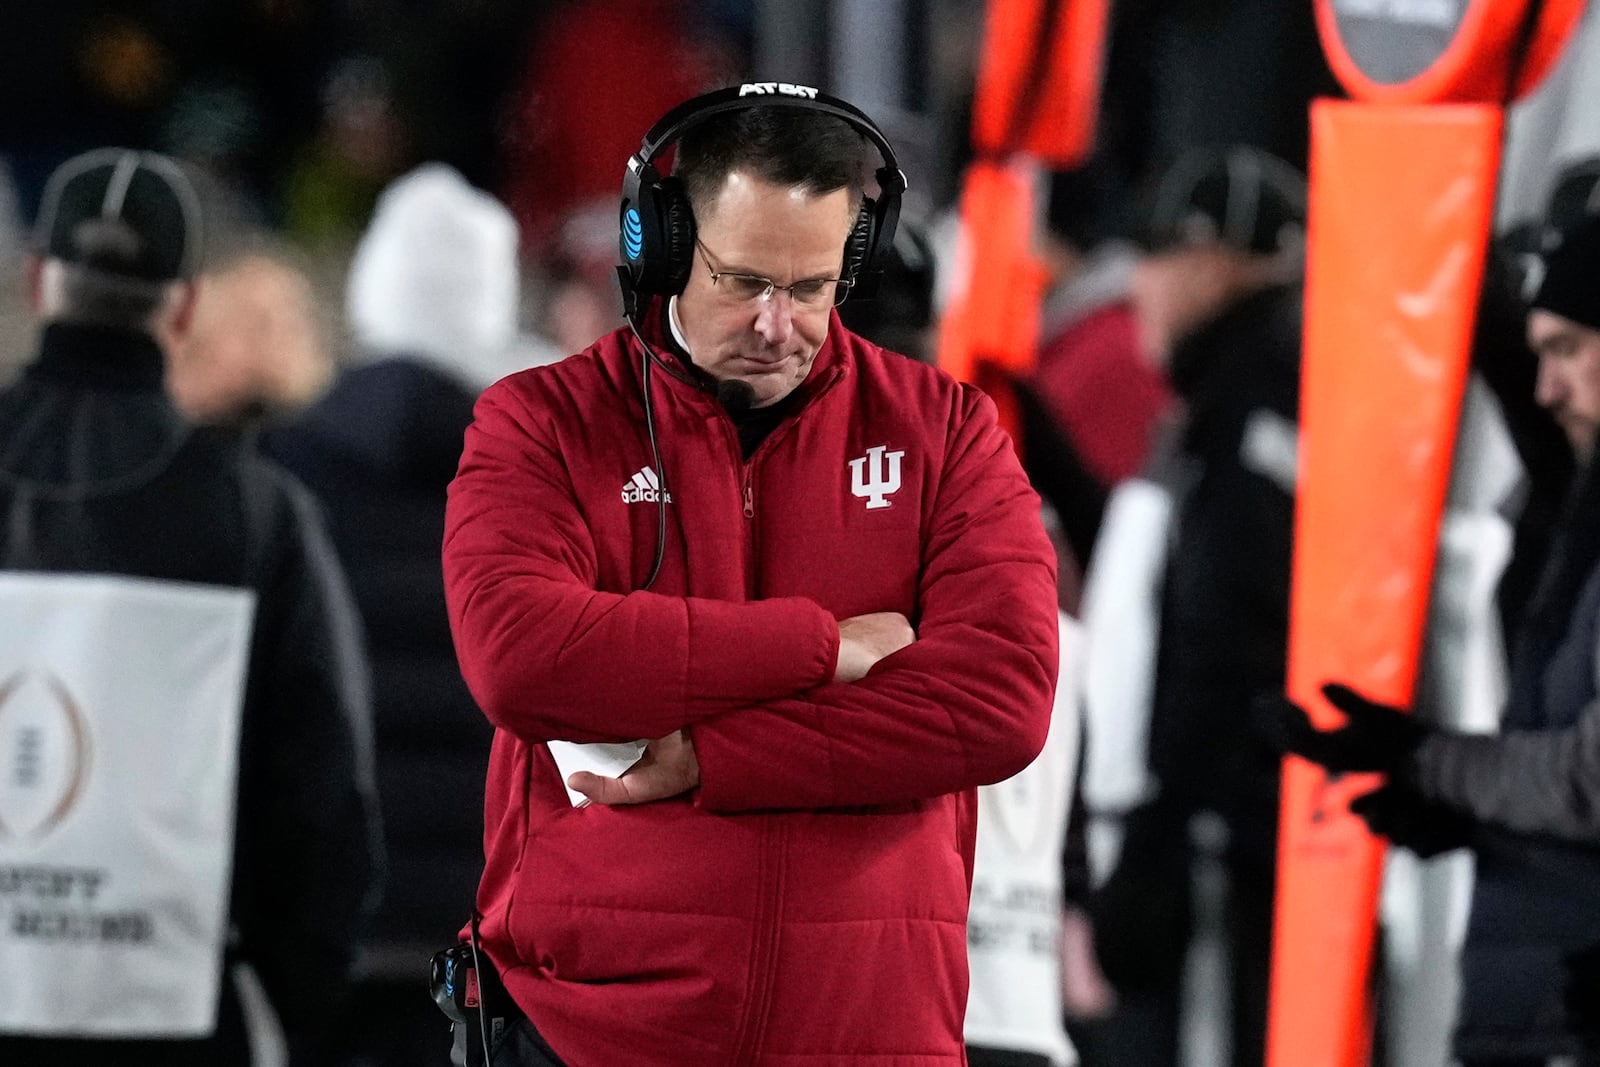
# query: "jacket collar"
{"points": [[100, 358], [656, 329]]}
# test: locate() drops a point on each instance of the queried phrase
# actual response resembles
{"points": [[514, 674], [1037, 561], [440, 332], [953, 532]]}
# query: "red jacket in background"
{"points": [[598, 74], [1101, 392], [806, 906]]}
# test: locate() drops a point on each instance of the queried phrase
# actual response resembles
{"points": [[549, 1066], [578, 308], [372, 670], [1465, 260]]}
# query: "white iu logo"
{"points": [[877, 485]]}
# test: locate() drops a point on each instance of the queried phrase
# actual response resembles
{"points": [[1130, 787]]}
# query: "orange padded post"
{"points": [[1037, 99], [1401, 202], [1039, 79]]}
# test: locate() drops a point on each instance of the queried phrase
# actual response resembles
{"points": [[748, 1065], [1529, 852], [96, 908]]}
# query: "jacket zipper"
{"points": [[774, 844]]}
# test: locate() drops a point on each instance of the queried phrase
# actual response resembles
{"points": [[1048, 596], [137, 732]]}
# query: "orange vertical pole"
{"points": [[1037, 98], [1400, 208]]}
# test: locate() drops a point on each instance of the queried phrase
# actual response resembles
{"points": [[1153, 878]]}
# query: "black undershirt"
{"points": [[754, 424]]}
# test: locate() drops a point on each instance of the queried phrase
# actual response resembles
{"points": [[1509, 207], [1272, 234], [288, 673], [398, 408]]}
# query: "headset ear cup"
{"points": [[858, 247], [677, 233]]}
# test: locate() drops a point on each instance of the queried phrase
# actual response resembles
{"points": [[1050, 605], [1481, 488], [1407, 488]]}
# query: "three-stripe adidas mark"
{"points": [[644, 487]]}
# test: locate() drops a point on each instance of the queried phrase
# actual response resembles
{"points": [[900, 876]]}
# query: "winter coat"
{"points": [[378, 451], [806, 905], [1536, 899]]}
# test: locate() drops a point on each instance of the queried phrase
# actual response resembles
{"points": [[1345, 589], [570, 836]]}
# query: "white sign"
{"points": [[120, 703]]}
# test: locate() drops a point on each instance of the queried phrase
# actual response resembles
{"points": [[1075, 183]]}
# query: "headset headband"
{"points": [[691, 113]]}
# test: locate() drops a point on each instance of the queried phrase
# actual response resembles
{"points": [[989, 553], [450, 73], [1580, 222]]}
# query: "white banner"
{"points": [[120, 704]]}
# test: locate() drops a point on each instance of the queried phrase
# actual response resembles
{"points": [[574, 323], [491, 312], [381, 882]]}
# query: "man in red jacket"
{"points": [[810, 572]]}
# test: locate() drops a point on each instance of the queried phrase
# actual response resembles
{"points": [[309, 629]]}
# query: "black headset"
{"points": [[657, 223], [657, 227]]}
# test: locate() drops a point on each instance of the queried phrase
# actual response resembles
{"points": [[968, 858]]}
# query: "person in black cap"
{"points": [[1528, 799], [1217, 296], [187, 832]]}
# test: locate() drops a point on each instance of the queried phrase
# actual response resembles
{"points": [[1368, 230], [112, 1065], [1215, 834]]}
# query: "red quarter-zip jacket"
{"points": [[806, 905]]}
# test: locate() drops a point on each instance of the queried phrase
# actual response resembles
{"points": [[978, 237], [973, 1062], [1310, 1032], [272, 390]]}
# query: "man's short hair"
{"points": [[75, 293], [789, 147]]}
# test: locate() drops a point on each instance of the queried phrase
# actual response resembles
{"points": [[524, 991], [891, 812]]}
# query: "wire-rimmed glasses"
{"points": [[806, 293]]}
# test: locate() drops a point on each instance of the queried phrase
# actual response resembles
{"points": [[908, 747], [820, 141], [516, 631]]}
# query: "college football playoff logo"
{"points": [[44, 755]]}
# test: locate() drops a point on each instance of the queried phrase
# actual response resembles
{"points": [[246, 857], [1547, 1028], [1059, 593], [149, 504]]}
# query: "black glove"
{"points": [[1412, 822], [1375, 737]]}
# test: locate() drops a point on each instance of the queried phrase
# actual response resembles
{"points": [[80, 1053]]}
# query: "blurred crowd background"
{"points": [[297, 113]]}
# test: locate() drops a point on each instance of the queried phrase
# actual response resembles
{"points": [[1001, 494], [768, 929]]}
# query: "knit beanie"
{"points": [[1571, 286]]}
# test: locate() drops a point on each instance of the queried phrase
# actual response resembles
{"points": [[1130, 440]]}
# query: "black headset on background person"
{"points": [[657, 222], [658, 230]]}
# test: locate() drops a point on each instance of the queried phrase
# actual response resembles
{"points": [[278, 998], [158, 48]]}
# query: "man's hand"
{"points": [[1375, 737], [1413, 823], [667, 768], [865, 639], [1085, 992]]}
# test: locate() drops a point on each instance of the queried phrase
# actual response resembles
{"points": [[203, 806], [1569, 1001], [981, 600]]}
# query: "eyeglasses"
{"points": [[806, 293]]}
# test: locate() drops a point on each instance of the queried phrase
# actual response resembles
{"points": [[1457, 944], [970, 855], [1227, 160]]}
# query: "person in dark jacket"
{"points": [[1218, 300], [797, 591], [1525, 799], [432, 306], [187, 826]]}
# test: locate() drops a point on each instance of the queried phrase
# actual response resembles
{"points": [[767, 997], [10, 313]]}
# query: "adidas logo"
{"points": [[643, 488]]}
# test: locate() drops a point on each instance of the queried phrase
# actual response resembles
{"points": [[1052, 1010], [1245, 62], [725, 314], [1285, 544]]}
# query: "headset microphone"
{"points": [[735, 396]]}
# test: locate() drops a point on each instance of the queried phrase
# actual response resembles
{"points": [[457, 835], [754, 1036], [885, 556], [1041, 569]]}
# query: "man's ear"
{"points": [[185, 297]]}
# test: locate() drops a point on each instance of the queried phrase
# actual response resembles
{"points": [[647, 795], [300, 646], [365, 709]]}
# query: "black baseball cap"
{"points": [[1238, 196], [122, 212], [1571, 285], [1081, 206]]}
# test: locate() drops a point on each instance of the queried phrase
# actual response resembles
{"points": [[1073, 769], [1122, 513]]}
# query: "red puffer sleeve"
{"points": [[968, 703], [546, 655]]}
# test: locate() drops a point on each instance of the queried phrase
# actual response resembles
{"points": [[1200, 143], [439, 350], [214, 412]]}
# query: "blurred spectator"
{"points": [[1090, 374], [227, 832], [1023, 882], [361, 142], [596, 73], [1218, 302], [258, 347], [1092, 404], [432, 306], [452, 65], [899, 316], [581, 302]]}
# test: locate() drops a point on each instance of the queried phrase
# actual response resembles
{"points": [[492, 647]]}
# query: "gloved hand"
{"points": [[1412, 822], [1375, 737]]}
